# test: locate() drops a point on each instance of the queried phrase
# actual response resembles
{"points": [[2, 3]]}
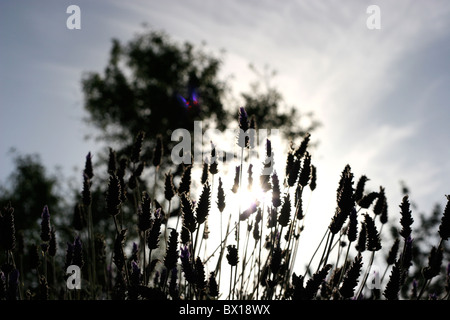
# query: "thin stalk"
{"points": [[92, 245], [231, 284], [121, 248], [424, 286], [142, 238], [339, 251], [260, 250], [196, 238], [384, 273], [329, 249], [345, 263], [239, 220], [245, 256], [366, 275], [327, 234]]}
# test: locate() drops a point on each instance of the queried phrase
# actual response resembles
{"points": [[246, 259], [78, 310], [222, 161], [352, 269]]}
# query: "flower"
{"points": [[45, 225]]}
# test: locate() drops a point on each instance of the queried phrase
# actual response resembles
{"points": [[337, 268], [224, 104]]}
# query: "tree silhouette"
{"points": [[30, 189], [156, 85]]}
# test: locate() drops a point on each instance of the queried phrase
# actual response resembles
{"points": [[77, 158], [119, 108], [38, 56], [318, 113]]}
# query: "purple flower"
{"points": [[45, 225], [184, 254], [243, 119], [78, 252]]}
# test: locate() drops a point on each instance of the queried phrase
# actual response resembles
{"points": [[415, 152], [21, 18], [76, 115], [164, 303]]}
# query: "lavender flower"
{"points": [[78, 253], [204, 204], [88, 170], [137, 146], [444, 227], [158, 151], [236, 179], [232, 255], [7, 229], [276, 201], [220, 197], [45, 225]]}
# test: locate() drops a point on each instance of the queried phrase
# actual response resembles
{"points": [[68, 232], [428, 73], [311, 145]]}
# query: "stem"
{"points": [[239, 220], [329, 249], [366, 275], [142, 239], [231, 284], [345, 264], [425, 284], [245, 257], [121, 249], [259, 253], [327, 234], [92, 245]]}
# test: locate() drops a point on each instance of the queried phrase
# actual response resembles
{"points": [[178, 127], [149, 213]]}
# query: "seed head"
{"points": [[220, 196], [158, 151], [406, 220], [204, 177], [350, 282], [305, 173], [88, 170], [213, 288], [232, 255], [393, 286], [200, 274], [360, 188], [144, 212], [444, 227], [353, 226], [300, 151], [313, 183], [373, 237], [137, 146], [367, 200], [362, 239], [119, 256], [189, 221], [380, 203], [434, 263], [169, 188], [113, 197], [45, 225], [392, 255], [153, 235], [285, 211], [112, 162], [170, 261], [276, 200], [213, 161], [204, 204], [78, 253], [313, 284], [299, 203], [185, 183], [7, 228]]}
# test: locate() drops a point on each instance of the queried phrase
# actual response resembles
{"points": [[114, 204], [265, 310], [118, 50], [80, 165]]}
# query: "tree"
{"points": [[30, 189], [157, 85]]}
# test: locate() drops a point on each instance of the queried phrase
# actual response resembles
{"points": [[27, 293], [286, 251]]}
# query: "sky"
{"points": [[381, 94]]}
